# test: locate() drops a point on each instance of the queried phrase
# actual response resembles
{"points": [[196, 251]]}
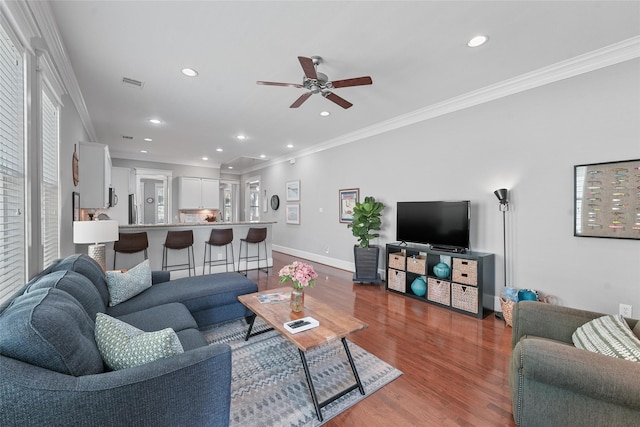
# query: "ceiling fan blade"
{"points": [[300, 100], [358, 81], [308, 67], [338, 100], [279, 84]]}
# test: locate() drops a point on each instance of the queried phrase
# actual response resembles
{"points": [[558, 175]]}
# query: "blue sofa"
{"points": [[51, 372]]}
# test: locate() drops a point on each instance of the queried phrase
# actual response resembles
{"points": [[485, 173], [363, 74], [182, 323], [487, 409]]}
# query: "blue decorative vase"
{"points": [[441, 270], [419, 286]]}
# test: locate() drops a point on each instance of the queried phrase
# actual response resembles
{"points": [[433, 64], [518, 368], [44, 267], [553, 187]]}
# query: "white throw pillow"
{"points": [[124, 346], [123, 286], [609, 335]]}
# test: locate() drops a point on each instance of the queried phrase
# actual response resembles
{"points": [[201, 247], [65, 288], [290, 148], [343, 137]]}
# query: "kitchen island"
{"points": [[158, 232]]}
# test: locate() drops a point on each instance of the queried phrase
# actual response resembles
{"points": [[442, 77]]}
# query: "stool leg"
{"points": [[266, 259], [114, 259], [233, 260], [239, 256], [164, 258], [204, 260]]}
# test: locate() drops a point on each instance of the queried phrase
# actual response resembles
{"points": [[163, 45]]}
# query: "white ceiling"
{"points": [[414, 51]]}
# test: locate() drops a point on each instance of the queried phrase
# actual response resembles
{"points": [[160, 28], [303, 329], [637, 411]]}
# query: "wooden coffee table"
{"points": [[334, 325]]}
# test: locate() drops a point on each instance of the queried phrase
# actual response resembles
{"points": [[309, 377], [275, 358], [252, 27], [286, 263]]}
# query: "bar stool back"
{"points": [[179, 240], [219, 237], [254, 236], [130, 243]]}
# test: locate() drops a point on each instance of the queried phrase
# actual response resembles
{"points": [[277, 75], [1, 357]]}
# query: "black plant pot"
{"points": [[366, 260]]}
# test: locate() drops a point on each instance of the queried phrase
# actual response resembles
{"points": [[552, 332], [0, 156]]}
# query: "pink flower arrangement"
{"points": [[301, 274]]}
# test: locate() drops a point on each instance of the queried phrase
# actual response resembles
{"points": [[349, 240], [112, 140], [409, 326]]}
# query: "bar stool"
{"points": [[254, 236], [130, 243], [179, 240], [219, 238]]}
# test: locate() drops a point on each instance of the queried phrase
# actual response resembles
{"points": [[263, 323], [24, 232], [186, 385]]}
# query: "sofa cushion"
{"points": [[49, 328], [609, 335], [76, 285], [173, 315], [191, 339], [90, 269], [123, 286], [124, 346]]}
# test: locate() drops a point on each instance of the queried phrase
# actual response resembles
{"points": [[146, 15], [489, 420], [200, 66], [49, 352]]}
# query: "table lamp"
{"points": [[96, 233]]}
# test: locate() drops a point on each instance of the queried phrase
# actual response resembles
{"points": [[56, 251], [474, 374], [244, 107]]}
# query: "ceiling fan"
{"points": [[316, 82]]}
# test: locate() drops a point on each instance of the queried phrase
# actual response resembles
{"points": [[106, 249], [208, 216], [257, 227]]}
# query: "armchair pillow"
{"points": [[609, 335], [124, 346]]}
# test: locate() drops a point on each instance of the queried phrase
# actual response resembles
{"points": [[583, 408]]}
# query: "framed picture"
{"points": [[348, 198], [75, 203], [607, 200], [293, 191], [293, 213]]}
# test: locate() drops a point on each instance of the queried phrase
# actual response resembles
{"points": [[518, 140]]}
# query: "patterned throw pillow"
{"points": [[124, 346], [123, 286], [609, 335]]}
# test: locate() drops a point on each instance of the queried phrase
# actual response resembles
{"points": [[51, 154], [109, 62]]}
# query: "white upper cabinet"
{"points": [[94, 164], [198, 193]]}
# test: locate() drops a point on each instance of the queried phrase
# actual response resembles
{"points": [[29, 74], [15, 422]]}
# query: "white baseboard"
{"points": [[332, 262]]}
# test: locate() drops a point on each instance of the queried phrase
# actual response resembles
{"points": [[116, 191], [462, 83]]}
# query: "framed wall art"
{"points": [[348, 198], [75, 203], [293, 213], [293, 191], [607, 200]]}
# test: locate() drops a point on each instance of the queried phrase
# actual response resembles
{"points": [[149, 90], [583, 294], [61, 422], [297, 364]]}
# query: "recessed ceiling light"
{"points": [[241, 137], [155, 121], [219, 149], [148, 139], [262, 156], [230, 167], [189, 72], [477, 41], [289, 145], [325, 113], [205, 158], [143, 151]]}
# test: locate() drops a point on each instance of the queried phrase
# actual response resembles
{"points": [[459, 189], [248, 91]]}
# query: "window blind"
{"points": [[12, 180], [50, 189]]}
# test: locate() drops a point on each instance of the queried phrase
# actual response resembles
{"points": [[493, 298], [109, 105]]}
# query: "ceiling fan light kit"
{"points": [[316, 82]]}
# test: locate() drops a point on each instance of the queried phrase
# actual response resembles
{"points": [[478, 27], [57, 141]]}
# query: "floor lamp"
{"points": [[96, 233], [502, 194]]}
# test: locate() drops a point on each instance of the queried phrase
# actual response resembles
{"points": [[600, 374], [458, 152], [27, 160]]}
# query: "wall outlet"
{"points": [[626, 310]]}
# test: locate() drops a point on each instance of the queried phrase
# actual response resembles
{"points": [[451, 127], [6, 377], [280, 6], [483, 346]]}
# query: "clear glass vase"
{"points": [[297, 300]]}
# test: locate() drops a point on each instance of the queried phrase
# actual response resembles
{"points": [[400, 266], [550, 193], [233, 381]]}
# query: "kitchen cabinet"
{"points": [[198, 193], [95, 175]]}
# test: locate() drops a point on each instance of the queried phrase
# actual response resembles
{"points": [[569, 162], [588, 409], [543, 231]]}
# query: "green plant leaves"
{"points": [[366, 218]]}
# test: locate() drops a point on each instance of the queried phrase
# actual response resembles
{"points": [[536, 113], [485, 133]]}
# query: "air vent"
{"points": [[132, 83], [127, 137]]}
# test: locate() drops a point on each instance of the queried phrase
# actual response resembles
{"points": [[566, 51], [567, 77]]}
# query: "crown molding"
{"points": [[616, 53], [48, 31]]}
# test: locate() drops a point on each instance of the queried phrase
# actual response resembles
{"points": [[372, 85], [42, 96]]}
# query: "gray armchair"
{"points": [[554, 383]]}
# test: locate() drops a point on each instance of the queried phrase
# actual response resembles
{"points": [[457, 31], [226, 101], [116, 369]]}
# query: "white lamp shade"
{"points": [[95, 231]]}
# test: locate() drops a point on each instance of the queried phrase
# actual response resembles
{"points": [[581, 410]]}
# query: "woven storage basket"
{"points": [[464, 298], [397, 260], [439, 291], [396, 280], [507, 309], [417, 264]]}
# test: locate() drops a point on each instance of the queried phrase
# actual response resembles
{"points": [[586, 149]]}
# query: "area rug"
{"points": [[268, 385]]}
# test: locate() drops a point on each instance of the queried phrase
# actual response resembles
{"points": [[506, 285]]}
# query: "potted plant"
{"points": [[366, 222]]}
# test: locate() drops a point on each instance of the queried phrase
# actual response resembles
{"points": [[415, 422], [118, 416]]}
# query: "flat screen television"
{"points": [[441, 224]]}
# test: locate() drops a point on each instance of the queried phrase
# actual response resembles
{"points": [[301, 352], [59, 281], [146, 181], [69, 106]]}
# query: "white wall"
{"points": [[71, 132], [526, 142]]}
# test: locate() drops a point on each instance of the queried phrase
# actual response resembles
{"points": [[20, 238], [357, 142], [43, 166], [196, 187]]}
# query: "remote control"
{"points": [[298, 325]]}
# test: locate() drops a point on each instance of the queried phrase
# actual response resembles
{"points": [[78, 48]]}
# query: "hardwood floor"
{"points": [[455, 366]]}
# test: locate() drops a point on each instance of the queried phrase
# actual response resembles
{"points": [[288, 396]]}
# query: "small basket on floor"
{"points": [[507, 309]]}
